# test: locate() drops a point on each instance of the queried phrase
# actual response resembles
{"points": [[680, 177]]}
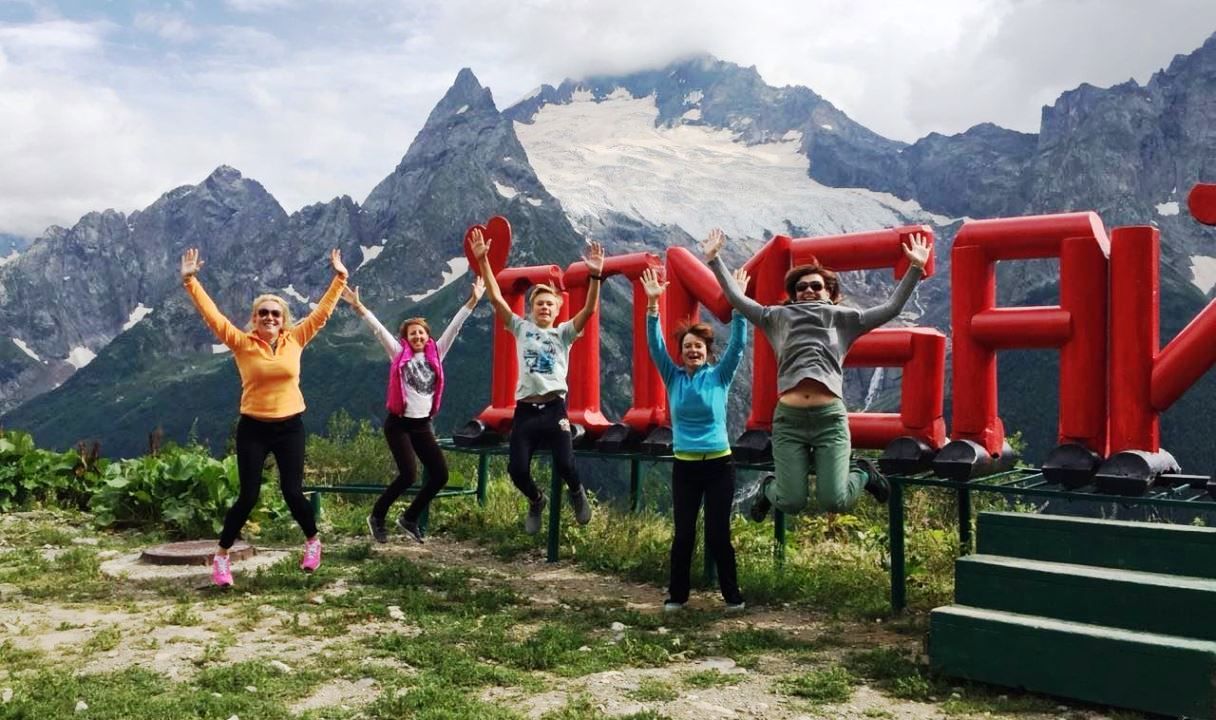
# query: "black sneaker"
{"points": [[535, 509], [377, 529], [580, 506], [877, 484], [410, 528], [761, 505]]}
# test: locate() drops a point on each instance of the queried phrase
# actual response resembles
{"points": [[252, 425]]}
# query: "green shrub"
{"points": [[29, 475], [351, 452], [185, 490]]}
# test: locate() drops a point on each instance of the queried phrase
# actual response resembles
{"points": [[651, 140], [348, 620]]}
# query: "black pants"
{"points": [[536, 425], [255, 439], [715, 481], [410, 440]]}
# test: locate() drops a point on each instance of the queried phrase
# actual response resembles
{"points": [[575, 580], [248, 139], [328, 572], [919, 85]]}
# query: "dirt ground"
{"points": [[179, 649]]}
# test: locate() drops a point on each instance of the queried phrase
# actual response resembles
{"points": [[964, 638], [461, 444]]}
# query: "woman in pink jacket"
{"points": [[415, 390]]}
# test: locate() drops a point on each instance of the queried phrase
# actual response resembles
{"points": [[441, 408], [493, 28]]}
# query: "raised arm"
{"points": [[729, 362], [917, 250], [654, 328], [595, 266], [223, 328], [306, 329], [386, 339], [448, 337], [481, 251], [711, 248]]}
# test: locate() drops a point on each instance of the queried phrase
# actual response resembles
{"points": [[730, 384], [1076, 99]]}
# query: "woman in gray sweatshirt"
{"points": [[811, 334]]}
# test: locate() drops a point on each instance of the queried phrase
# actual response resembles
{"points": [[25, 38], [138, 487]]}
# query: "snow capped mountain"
{"points": [[613, 155]]}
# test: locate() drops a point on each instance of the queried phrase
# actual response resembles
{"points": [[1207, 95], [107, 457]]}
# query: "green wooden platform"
{"points": [[1094, 610], [1154, 673]]}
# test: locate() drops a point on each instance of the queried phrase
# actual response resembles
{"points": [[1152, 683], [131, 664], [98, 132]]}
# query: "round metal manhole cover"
{"points": [[191, 552]]}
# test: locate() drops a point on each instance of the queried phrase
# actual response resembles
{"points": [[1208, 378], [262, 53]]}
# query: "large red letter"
{"points": [[1077, 326]]}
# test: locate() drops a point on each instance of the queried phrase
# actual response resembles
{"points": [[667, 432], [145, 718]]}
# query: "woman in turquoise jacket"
{"points": [[696, 398]]}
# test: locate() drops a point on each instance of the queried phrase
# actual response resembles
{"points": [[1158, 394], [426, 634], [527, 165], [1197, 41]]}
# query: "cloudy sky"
{"points": [[110, 104]]}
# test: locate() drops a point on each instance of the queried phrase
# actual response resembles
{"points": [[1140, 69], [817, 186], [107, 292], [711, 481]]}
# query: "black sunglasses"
{"points": [[813, 286], [263, 312]]}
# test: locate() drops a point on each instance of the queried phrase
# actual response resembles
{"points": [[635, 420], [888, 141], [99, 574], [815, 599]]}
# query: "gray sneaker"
{"points": [[876, 482], [535, 509], [410, 528], [580, 506], [376, 527]]}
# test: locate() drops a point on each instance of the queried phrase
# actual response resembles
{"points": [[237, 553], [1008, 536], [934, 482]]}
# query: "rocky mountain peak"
{"points": [[466, 96]]}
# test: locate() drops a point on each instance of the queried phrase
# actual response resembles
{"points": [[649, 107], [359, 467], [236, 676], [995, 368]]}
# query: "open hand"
{"points": [[351, 295], [479, 244], [594, 257], [190, 263], [652, 285], [478, 289], [712, 245], [335, 260], [917, 250], [742, 278]]}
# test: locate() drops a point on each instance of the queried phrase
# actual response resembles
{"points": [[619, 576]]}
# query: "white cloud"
{"points": [[256, 6], [317, 100], [169, 26]]}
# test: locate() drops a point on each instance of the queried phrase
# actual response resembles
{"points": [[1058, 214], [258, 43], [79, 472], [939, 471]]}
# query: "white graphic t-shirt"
{"points": [[543, 355]]}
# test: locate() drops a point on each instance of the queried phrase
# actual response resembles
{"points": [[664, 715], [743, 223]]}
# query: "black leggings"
{"points": [[715, 481], [533, 426], [255, 439], [410, 438]]}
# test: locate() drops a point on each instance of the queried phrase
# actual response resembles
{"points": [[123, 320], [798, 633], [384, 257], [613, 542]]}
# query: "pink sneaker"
{"points": [[221, 570], [312, 555]]}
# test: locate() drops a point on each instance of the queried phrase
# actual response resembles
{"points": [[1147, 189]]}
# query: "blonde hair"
{"points": [[541, 289], [253, 311]]}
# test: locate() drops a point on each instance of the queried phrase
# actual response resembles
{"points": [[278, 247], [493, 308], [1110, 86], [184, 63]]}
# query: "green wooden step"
{"points": [[1147, 547], [1142, 671], [1149, 602]]}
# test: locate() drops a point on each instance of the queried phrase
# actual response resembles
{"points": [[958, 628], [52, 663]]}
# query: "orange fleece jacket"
{"points": [[270, 379]]}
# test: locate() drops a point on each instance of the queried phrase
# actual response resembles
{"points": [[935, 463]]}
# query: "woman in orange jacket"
{"points": [[272, 406]]}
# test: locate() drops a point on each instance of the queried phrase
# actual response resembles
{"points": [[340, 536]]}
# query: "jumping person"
{"points": [[415, 391], [696, 398], [811, 333], [272, 406], [543, 350]]}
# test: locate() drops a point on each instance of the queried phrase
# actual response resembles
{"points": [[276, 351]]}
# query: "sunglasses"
{"points": [[813, 286], [264, 312]]}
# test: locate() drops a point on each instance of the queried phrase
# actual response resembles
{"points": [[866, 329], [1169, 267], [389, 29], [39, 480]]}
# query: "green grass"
{"points": [[103, 640], [654, 690], [705, 679], [830, 685]]}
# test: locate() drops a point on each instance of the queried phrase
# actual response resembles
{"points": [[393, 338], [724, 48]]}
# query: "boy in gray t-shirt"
{"points": [[543, 354], [543, 350], [811, 334]]}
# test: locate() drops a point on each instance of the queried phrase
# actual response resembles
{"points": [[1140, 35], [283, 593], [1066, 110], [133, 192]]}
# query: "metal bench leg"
{"points": [[964, 520], [635, 485], [315, 499], [483, 473], [895, 531], [555, 512]]}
